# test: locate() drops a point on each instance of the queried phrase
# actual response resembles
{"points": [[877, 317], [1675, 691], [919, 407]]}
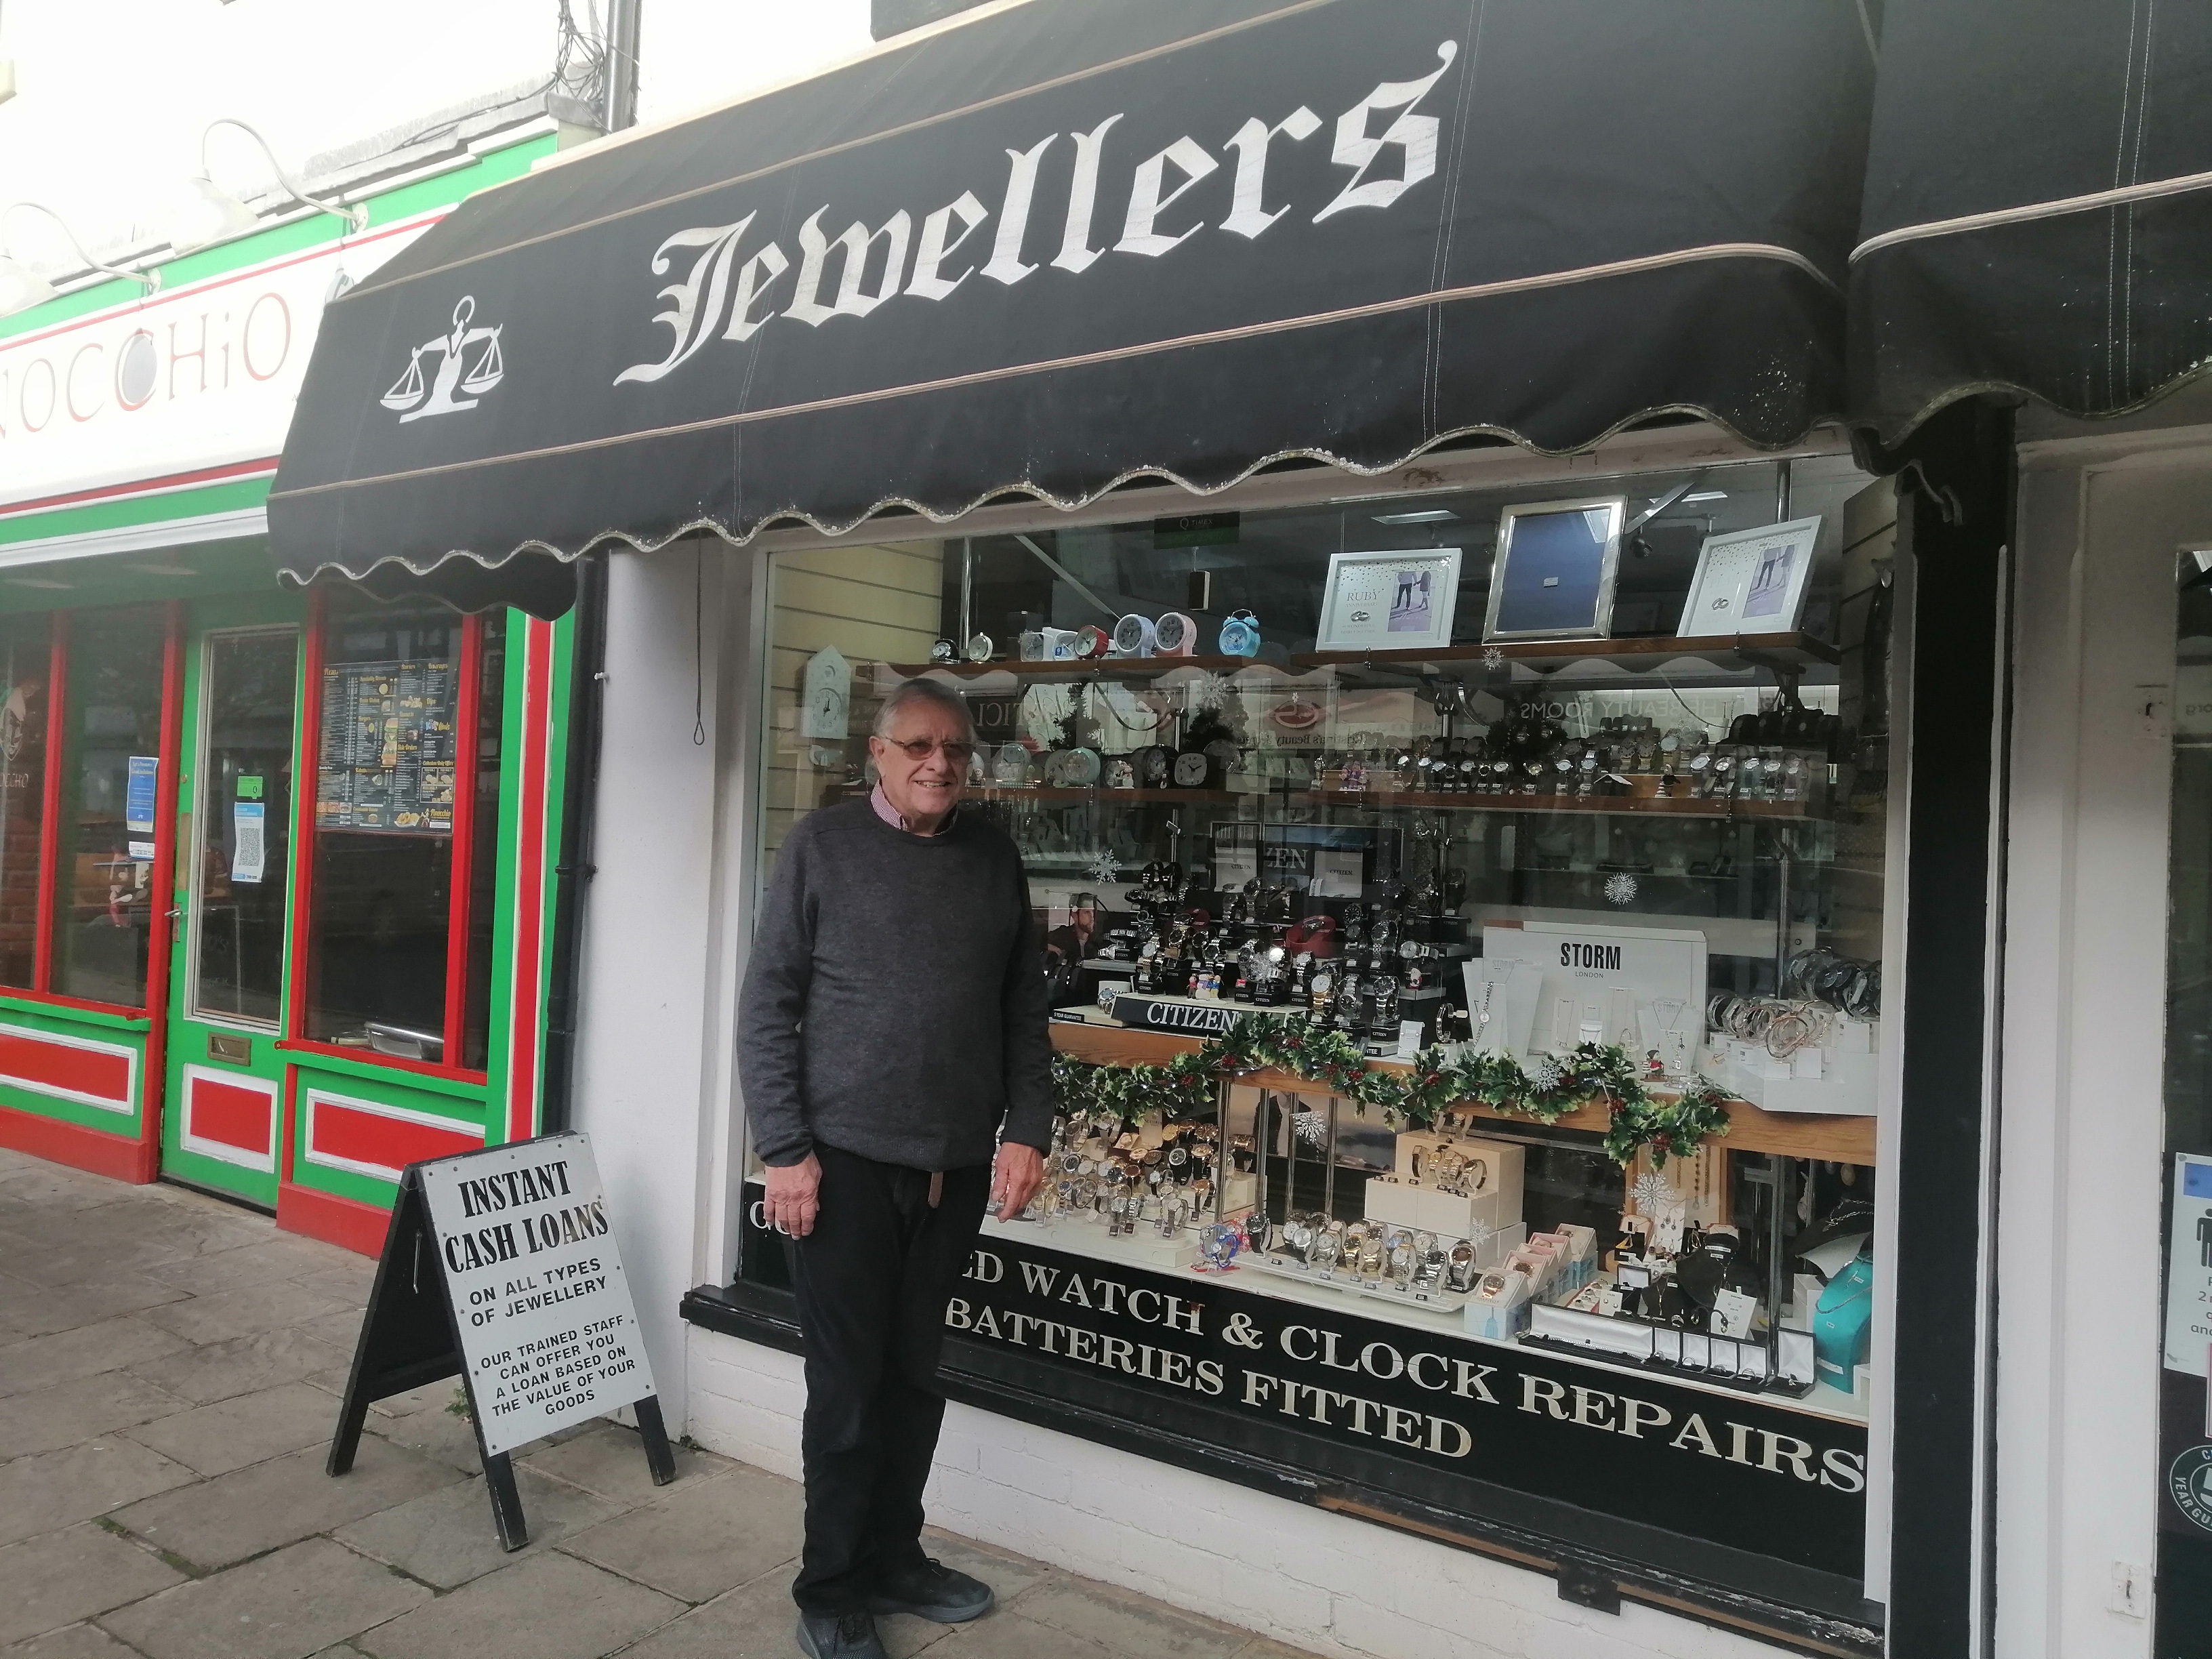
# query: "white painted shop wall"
{"points": [[649, 935], [2080, 1236]]}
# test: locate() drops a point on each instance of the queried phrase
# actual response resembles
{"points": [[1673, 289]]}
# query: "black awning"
{"points": [[2039, 207], [1071, 242]]}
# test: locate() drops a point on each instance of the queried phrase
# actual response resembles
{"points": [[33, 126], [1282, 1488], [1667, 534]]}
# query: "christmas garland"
{"points": [[1183, 1091]]}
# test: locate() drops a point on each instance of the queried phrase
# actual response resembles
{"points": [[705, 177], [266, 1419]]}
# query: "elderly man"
{"points": [[898, 1078]]}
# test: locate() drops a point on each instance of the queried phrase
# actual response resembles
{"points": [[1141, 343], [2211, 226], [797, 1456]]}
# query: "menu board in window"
{"points": [[387, 748]]}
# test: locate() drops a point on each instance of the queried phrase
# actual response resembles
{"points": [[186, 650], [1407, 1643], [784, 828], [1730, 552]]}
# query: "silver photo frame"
{"points": [[1392, 601], [1751, 581], [1553, 575]]}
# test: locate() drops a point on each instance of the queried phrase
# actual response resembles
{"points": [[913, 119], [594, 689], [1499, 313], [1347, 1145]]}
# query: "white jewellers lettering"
{"points": [[1605, 958], [709, 301]]}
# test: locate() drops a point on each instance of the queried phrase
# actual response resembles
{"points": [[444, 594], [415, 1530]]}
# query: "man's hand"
{"points": [[792, 1202], [1015, 1178]]}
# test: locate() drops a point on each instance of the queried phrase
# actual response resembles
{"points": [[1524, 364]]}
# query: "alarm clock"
{"points": [[979, 648], [1191, 768], [1071, 768], [1175, 634], [1011, 766], [944, 651], [1134, 636], [1240, 634], [1091, 642], [1155, 765]]}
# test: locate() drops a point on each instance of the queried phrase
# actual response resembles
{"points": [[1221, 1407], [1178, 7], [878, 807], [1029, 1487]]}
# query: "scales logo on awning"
{"points": [[456, 369], [724, 296]]}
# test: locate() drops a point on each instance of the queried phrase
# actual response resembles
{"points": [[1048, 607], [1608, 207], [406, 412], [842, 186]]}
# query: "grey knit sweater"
{"points": [[895, 1006]]}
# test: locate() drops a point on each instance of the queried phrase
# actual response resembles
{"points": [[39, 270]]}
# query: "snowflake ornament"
{"points": [[1493, 658], [1208, 690], [1104, 870], [1312, 1127], [1654, 1194], [1620, 888], [1546, 1074]]}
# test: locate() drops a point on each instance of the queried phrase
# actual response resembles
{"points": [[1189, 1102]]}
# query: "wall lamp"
{"points": [[217, 216], [20, 289]]}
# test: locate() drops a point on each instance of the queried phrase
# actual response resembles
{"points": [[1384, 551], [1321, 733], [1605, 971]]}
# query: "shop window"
{"points": [[398, 930], [25, 681], [1478, 770], [109, 806]]}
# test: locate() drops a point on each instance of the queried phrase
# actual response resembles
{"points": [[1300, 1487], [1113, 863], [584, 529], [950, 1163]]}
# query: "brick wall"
{"points": [[1317, 1581]]}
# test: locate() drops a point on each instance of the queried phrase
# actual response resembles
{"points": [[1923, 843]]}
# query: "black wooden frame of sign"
{"points": [[410, 1338]]}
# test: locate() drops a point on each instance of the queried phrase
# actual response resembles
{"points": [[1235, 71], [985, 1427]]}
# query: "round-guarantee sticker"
{"points": [[2189, 1483]]}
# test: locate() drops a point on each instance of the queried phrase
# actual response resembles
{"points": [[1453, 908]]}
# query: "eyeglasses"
{"points": [[921, 749]]}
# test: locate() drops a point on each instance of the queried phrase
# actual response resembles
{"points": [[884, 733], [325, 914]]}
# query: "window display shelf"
{"points": [[1840, 1140], [1732, 654], [1386, 799], [1075, 668]]}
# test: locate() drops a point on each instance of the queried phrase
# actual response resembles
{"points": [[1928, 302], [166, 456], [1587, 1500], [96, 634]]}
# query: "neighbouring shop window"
{"points": [[249, 687], [390, 914], [110, 805], [484, 864], [1510, 771], [25, 683]]}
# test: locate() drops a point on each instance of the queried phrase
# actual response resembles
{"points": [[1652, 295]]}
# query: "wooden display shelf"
{"points": [[1076, 667], [1791, 1134], [1606, 805], [1791, 651]]}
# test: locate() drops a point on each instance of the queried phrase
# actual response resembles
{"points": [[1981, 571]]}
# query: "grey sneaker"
{"points": [[839, 1636], [935, 1592]]}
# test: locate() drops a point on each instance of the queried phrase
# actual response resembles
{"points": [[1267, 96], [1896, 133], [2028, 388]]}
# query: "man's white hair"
{"points": [[930, 691]]}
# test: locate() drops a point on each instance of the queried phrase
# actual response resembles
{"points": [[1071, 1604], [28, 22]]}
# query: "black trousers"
{"points": [[874, 1279]]}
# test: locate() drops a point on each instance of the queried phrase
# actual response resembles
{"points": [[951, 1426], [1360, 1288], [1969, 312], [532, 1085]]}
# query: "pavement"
{"points": [[170, 1373]]}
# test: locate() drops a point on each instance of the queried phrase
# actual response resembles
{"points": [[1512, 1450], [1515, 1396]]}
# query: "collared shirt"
{"points": [[890, 814]]}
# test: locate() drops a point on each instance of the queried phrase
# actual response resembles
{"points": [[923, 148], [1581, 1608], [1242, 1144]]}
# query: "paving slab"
{"points": [[39, 1362], [247, 1428], [341, 1328], [570, 1609], [61, 1578], [1006, 1573], [53, 1186], [219, 1369], [348, 1280], [445, 1435], [288, 1498], [73, 1642], [47, 1419], [285, 1606], [35, 1312], [261, 1263], [754, 1622], [447, 1537], [1007, 1635], [49, 1491], [432, 1397], [1123, 1622], [246, 1312], [703, 1537], [610, 1460]]}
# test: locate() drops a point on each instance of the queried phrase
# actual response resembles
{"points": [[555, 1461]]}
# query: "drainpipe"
{"points": [[620, 105], [578, 797]]}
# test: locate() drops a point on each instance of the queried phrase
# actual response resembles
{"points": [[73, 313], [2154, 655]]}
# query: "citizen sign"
{"points": [[732, 283]]}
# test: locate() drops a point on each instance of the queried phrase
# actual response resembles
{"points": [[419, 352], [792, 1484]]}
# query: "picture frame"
{"points": [[1751, 581], [1389, 601], [1553, 576]]}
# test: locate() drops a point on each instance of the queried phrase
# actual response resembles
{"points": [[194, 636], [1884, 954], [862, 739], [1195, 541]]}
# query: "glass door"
{"points": [[222, 1124]]}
